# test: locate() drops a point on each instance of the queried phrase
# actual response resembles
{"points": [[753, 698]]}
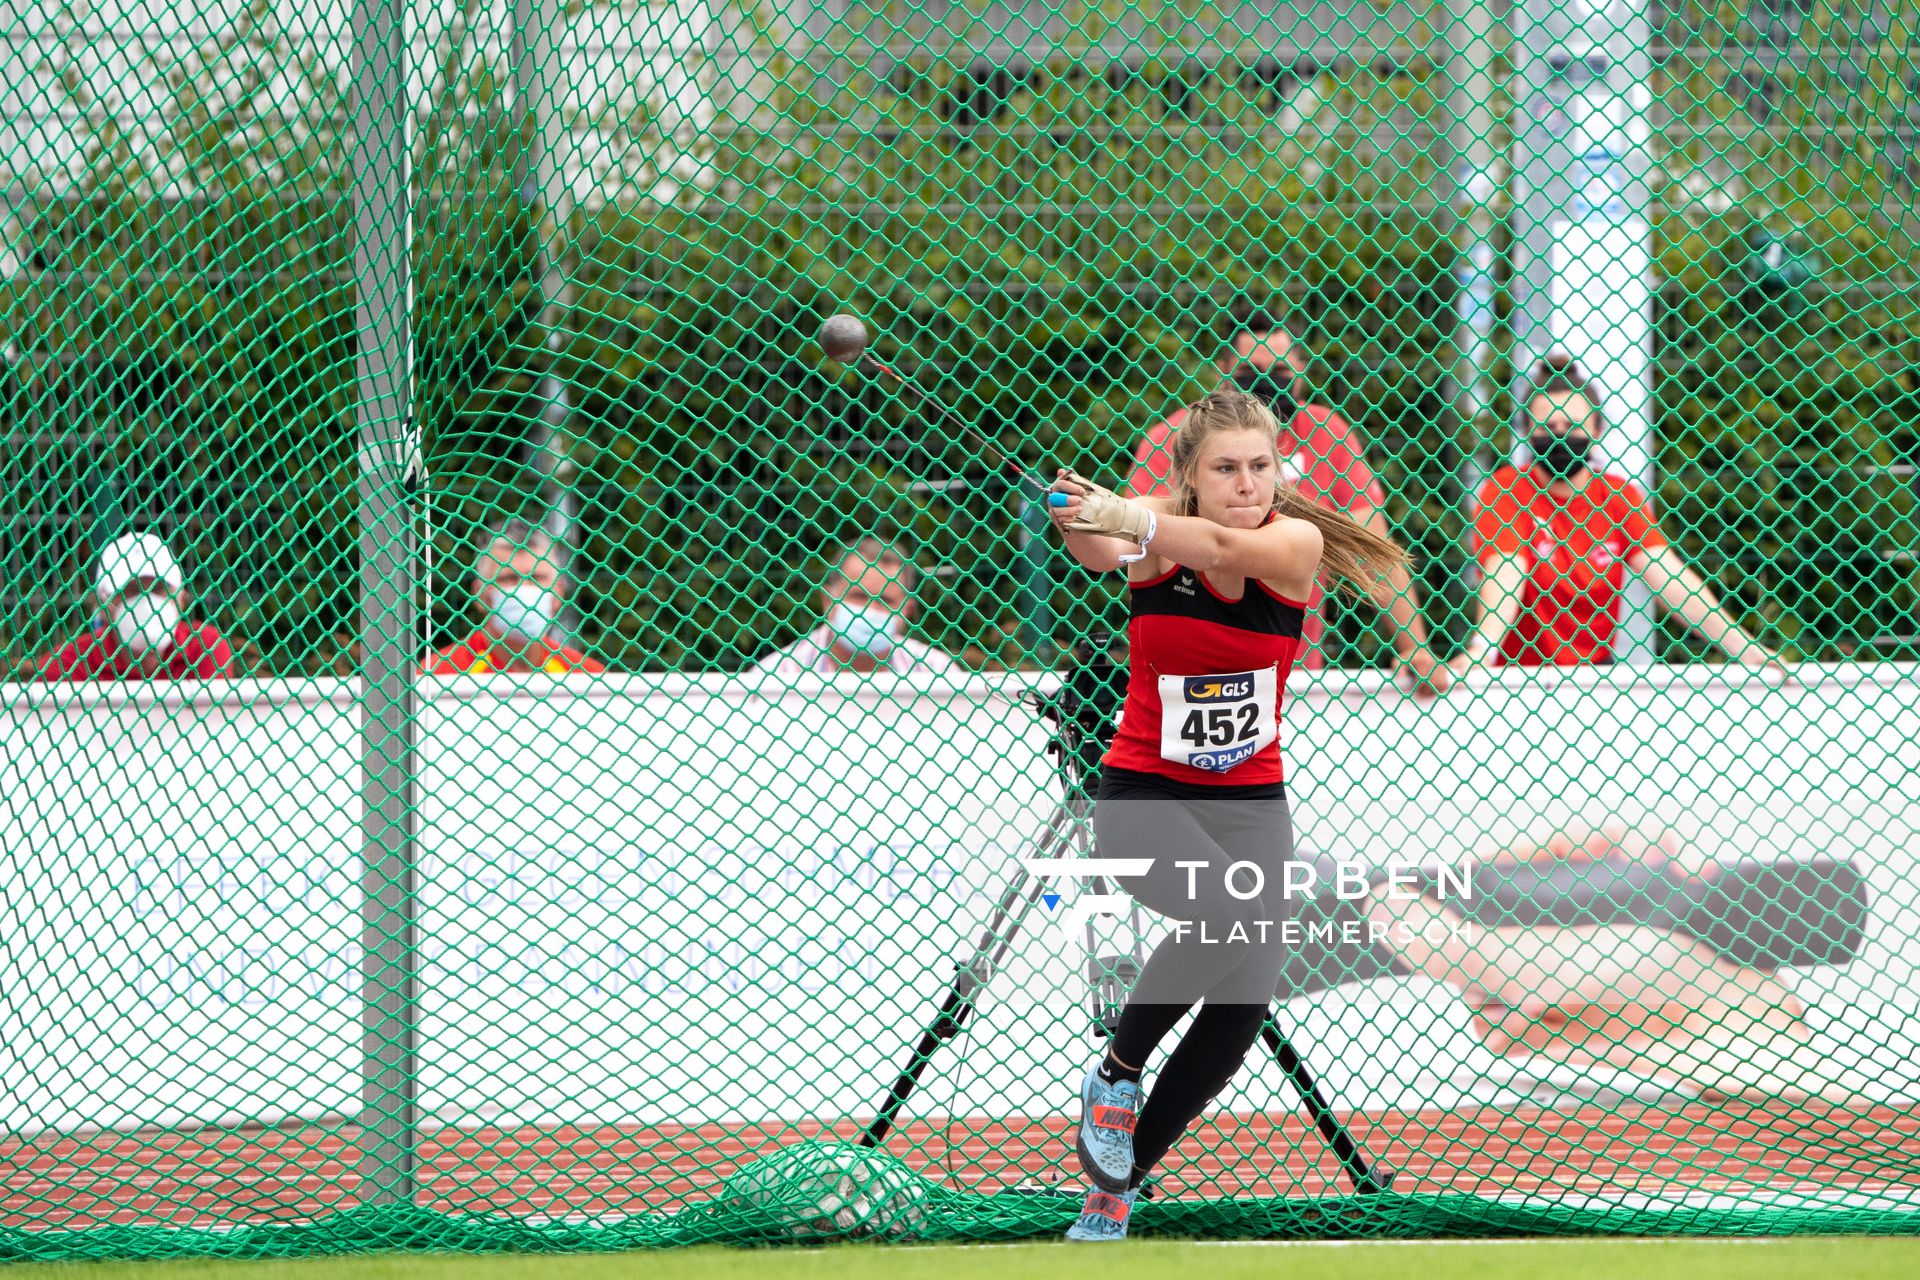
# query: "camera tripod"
{"points": [[1082, 713]]}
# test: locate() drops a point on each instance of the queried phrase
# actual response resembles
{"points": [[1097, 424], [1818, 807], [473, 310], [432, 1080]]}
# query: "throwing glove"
{"points": [[1105, 512]]}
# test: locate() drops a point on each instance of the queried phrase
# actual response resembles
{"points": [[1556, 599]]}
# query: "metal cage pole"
{"points": [[390, 490], [1463, 182]]}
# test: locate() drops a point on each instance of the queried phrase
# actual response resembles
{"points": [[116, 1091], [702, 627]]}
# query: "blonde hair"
{"points": [[1359, 558]]}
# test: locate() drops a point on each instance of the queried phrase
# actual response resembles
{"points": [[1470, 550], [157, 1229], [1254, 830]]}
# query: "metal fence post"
{"points": [[390, 488], [1036, 578]]}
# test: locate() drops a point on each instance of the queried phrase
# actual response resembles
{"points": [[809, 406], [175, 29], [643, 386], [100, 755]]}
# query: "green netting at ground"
{"points": [[519, 745]]}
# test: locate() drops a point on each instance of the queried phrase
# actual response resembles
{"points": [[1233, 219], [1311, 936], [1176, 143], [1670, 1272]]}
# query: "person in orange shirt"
{"points": [[1320, 453], [1556, 538], [519, 586]]}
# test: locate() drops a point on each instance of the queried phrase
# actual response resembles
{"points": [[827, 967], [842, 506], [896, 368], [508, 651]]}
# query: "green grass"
{"points": [[1827, 1257]]}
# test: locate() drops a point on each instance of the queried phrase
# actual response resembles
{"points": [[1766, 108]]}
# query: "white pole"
{"points": [[1582, 239], [535, 71]]}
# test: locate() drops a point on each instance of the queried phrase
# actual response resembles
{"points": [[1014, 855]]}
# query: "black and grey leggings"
{"points": [[1230, 954]]}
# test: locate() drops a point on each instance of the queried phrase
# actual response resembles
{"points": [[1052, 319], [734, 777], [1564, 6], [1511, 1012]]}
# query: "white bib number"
{"points": [[1215, 722]]}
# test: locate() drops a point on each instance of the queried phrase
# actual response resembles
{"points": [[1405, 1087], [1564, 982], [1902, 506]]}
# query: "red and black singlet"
{"points": [[1205, 679]]}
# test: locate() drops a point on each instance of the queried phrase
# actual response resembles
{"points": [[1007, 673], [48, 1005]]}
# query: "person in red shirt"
{"points": [[142, 631], [1555, 540], [519, 586], [1318, 452]]}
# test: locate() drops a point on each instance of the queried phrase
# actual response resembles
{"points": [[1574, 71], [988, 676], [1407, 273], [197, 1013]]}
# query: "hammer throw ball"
{"points": [[843, 337]]}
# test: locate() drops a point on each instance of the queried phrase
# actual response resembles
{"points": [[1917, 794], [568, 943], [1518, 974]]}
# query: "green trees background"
{"points": [[1052, 243]]}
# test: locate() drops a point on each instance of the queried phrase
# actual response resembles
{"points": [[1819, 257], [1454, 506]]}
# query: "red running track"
{"points": [[203, 1177]]}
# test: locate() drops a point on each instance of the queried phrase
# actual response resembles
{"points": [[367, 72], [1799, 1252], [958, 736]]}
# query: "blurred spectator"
{"points": [[1555, 540], [867, 602], [1319, 453], [142, 631], [520, 588]]}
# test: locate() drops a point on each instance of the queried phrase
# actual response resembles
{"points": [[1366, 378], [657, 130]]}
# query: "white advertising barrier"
{"points": [[634, 893], [178, 902], [683, 899], [676, 899]]}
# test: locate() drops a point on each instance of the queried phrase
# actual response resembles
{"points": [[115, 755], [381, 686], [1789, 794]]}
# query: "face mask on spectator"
{"points": [[873, 630], [1270, 388], [526, 611], [145, 622], [1561, 457]]}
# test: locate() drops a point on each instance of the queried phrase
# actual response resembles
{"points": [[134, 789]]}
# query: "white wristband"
{"points": [[1153, 527]]}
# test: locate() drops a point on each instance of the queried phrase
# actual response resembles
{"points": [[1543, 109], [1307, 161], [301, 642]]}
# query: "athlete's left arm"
{"points": [[1285, 552], [1687, 594]]}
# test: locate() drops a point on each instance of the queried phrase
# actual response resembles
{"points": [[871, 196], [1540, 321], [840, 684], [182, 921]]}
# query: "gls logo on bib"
{"points": [[1218, 688]]}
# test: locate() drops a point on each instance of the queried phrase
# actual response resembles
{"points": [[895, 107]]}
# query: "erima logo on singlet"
{"points": [[1207, 689], [1185, 585]]}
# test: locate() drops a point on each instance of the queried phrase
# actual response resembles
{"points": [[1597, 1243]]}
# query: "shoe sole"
{"points": [[1093, 1170], [1099, 1177]]}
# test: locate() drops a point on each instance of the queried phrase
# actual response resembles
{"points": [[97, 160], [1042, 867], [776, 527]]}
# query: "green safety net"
{"points": [[513, 747]]}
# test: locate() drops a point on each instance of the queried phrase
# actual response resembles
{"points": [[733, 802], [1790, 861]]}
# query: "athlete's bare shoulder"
{"points": [[1303, 537], [1302, 545]]}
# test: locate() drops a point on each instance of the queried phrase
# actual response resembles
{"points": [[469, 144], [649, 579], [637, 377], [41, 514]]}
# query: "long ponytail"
{"points": [[1360, 559]]}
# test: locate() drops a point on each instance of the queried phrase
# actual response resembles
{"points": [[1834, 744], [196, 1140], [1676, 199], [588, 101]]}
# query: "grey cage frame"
{"points": [[392, 494]]}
